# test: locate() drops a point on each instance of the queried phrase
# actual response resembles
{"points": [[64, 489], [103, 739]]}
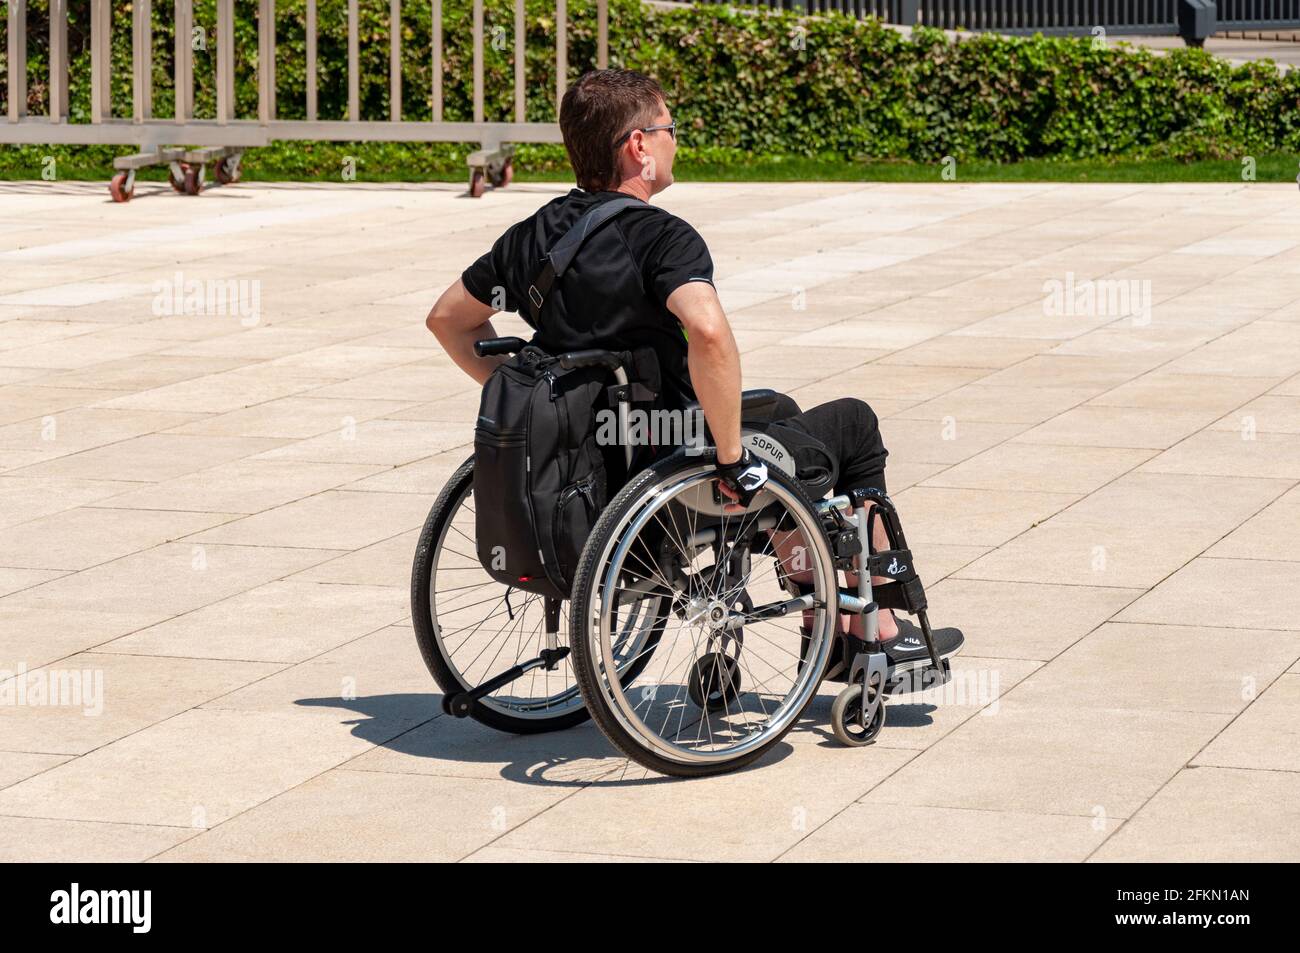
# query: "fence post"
{"points": [[58, 60], [437, 60], [395, 60], [1196, 20], [561, 53], [225, 60], [184, 19], [354, 56], [602, 34], [266, 61], [909, 12], [17, 59], [100, 54], [478, 60], [311, 60], [141, 60], [519, 60]]}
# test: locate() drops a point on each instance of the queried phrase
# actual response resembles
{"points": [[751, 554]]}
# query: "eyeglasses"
{"points": [[670, 126]]}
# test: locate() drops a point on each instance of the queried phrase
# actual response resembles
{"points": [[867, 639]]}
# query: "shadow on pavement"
{"points": [[413, 726]]}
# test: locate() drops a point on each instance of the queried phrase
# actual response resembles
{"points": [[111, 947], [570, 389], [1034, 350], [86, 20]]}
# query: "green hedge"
{"points": [[739, 82], [862, 89]]}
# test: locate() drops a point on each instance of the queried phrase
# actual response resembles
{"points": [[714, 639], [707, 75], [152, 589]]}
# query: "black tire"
{"points": [[423, 622], [845, 712], [713, 680], [585, 591]]}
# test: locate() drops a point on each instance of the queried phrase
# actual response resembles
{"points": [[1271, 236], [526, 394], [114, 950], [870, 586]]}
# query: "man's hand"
{"points": [[457, 321], [742, 479], [713, 361]]}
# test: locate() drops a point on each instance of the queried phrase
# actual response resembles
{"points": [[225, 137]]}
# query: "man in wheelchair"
{"points": [[643, 279]]}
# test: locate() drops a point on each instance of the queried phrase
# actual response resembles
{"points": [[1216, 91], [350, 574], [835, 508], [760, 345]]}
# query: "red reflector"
{"points": [[524, 578]]}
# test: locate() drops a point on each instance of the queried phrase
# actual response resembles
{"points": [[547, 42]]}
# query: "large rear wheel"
{"points": [[750, 625], [472, 628]]}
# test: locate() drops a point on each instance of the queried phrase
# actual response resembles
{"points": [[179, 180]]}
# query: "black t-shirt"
{"points": [[614, 292]]}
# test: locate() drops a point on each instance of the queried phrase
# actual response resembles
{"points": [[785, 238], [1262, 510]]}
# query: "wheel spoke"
{"points": [[481, 627], [759, 670]]}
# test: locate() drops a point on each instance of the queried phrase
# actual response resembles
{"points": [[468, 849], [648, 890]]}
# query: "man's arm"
{"points": [[713, 361], [457, 320]]}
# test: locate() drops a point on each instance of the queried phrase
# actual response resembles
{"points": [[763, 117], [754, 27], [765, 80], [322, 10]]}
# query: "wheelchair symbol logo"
{"points": [[894, 569]]}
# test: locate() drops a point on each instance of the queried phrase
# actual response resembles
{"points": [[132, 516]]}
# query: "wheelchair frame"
{"points": [[847, 521]]}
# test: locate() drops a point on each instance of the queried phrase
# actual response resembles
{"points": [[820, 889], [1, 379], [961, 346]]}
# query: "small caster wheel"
{"points": [[176, 179], [476, 184], [193, 183], [227, 170], [713, 681], [846, 712], [457, 705], [118, 188]]}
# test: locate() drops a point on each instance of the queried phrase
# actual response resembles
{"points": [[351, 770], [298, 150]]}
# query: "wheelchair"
{"points": [[696, 631]]}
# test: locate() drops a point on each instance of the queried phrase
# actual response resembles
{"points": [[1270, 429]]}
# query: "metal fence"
{"points": [[1150, 17], [1061, 17], [1258, 14], [225, 130]]}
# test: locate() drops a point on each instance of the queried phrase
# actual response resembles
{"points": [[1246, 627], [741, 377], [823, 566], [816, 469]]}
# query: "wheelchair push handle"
{"points": [[568, 361], [591, 358], [595, 357], [489, 347], [612, 362]]}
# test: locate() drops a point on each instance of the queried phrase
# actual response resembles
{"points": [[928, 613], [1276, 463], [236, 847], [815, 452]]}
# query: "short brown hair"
{"points": [[599, 108]]}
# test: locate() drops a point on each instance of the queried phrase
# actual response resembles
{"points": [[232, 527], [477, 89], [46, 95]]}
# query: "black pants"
{"points": [[850, 431]]}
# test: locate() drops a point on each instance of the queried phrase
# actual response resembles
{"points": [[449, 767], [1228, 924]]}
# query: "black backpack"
{"points": [[540, 480]]}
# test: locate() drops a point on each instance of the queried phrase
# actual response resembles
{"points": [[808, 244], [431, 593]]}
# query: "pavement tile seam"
{"points": [[212, 702], [970, 720], [67, 759], [343, 766], [578, 855], [1188, 765], [1137, 468], [1237, 767], [178, 615], [372, 745], [79, 820], [197, 706], [858, 800]]}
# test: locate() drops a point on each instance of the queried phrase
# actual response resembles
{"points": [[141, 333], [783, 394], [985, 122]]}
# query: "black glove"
{"points": [[744, 478]]}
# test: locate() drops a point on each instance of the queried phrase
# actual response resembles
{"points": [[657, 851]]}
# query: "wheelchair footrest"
{"points": [[917, 677]]}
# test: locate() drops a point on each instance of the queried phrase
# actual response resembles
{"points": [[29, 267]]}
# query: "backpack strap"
{"points": [[562, 254]]}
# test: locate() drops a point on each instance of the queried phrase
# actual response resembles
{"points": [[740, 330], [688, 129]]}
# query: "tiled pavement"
{"points": [[215, 514]]}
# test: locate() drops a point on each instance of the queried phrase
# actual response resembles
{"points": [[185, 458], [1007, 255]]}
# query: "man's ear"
{"points": [[626, 151]]}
